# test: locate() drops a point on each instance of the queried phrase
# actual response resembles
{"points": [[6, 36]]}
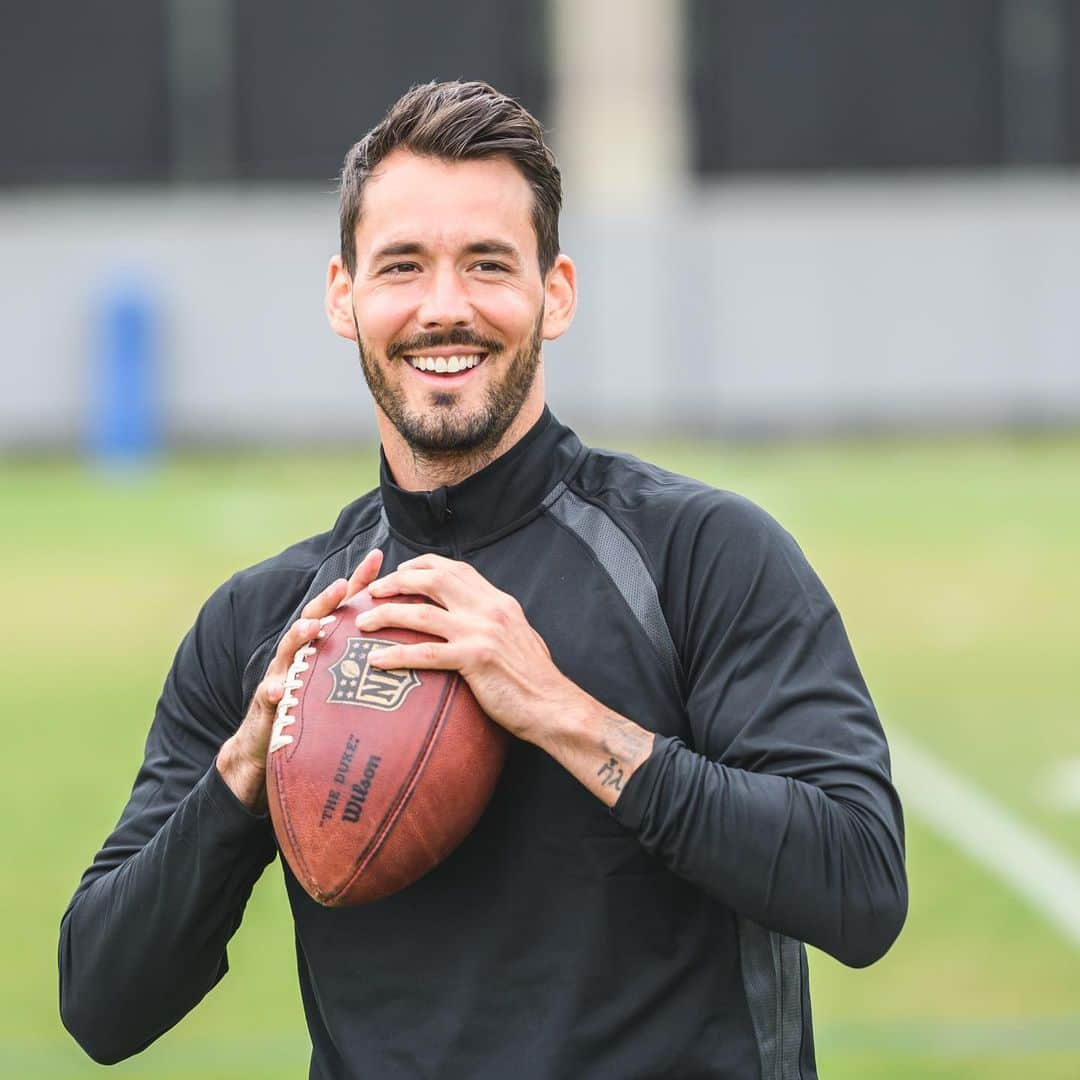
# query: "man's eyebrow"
{"points": [[492, 247], [408, 247], [477, 247]]}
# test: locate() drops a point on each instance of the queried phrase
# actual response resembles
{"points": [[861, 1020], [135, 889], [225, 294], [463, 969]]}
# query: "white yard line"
{"points": [[984, 830], [1061, 786]]}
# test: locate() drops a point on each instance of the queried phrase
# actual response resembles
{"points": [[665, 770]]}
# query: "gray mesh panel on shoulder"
{"points": [[340, 563], [617, 555], [772, 971]]}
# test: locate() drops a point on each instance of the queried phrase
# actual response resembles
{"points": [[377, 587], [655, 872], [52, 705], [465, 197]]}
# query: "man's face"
{"points": [[446, 279]]}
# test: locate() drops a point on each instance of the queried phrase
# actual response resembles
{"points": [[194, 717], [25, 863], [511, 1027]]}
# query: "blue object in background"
{"points": [[126, 422]]}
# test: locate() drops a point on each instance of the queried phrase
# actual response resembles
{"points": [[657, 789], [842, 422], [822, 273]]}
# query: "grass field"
{"points": [[954, 563]]}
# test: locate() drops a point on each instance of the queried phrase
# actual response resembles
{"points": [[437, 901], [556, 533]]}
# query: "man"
{"points": [[699, 781]]}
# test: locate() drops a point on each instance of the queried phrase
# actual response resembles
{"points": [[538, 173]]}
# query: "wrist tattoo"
{"points": [[611, 775], [625, 745]]}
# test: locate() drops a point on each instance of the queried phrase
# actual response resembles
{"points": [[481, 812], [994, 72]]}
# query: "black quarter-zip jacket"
{"points": [[661, 939]]}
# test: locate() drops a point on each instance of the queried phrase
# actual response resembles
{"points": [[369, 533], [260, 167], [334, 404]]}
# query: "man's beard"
{"points": [[444, 430]]}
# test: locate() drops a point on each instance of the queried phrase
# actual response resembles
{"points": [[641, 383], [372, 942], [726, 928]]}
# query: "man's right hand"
{"points": [[242, 759]]}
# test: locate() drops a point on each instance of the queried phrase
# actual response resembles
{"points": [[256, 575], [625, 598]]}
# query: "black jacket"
{"points": [[660, 939]]}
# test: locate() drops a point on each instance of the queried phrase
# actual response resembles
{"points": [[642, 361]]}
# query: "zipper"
{"points": [[455, 551]]}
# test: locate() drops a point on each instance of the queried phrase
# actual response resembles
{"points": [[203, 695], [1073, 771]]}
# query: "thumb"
{"points": [[265, 701], [275, 691]]}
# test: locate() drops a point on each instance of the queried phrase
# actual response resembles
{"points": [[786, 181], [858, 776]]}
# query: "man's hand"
{"points": [[509, 669], [242, 759]]}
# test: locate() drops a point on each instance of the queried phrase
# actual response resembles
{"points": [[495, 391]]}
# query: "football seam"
{"points": [[320, 647], [280, 763], [406, 789]]}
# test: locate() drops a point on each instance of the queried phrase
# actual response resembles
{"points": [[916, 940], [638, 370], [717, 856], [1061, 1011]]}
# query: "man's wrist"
{"points": [[600, 747], [243, 777]]}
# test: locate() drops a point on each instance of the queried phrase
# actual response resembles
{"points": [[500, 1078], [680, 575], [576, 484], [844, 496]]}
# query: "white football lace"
{"points": [[282, 719]]}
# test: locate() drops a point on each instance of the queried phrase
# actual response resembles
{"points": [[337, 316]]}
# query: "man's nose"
{"points": [[446, 301]]}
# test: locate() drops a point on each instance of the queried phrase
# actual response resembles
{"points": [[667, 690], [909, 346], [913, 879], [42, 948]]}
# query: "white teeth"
{"points": [[448, 365]]}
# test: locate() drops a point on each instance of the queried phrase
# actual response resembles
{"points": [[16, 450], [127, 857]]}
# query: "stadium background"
{"points": [[830, 257]]}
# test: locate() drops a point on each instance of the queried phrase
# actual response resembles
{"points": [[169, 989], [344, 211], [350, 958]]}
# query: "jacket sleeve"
{"points": [[783, 808], [144, 937]]}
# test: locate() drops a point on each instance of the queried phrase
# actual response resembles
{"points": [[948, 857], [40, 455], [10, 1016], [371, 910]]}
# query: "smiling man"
{"points": [[699, 782], [449, 291]]}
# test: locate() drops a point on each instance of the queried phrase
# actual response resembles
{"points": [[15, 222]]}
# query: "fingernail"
{"points": [[326, 620]]}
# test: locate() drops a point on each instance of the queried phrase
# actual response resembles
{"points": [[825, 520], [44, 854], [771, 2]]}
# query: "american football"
{"points": [[374, 777]]}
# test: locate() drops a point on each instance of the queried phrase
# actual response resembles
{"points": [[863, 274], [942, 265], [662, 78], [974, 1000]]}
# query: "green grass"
{"points": [[953, 562]]}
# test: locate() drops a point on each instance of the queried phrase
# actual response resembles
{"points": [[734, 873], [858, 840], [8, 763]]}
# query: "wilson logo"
{"points": [[356, 682], [354, 807]]}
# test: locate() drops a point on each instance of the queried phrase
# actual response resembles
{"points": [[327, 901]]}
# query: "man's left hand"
{"points": [[509, 669], [486, 638]]}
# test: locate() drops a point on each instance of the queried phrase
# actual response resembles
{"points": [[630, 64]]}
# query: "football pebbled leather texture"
{"points": [[373, 777]]}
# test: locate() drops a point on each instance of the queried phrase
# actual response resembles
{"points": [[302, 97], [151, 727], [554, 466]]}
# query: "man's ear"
{"points": [[560, 297], [339, 309]]}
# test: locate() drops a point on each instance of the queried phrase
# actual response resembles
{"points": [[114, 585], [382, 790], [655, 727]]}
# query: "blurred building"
{"points": [[787, 215]]}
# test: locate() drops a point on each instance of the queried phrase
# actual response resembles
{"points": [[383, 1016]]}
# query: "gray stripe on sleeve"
{"points": [[624, 565], [772, 970]]}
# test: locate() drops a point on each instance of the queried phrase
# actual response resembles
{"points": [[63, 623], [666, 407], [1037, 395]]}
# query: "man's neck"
{"points": [[419, 471]]}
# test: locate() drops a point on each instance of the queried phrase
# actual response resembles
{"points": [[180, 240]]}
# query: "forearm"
{"points": [[144, 942], [597, 746], [826, 868]]}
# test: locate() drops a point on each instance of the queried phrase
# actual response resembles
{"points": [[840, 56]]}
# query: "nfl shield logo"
{"points": [[357, 683]]}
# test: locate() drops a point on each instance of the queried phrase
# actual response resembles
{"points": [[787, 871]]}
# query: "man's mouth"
{"points": [[446, 365]]}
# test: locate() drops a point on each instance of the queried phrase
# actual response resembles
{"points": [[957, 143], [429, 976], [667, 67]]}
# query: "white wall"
{"points": [[905, 302]]}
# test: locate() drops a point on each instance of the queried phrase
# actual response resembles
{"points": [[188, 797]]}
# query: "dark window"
{"points": [[834, 84], [82, 92], [1072, 81], [313, 77]]}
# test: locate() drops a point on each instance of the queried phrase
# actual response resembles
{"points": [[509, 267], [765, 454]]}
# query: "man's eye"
{"points": [[491, 267], [400, 268]]}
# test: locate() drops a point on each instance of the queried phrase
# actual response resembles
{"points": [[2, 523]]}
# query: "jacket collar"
{"points": [[495, 500]]}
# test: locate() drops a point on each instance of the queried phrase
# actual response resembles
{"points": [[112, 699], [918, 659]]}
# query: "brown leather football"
{"points": [[374, 777]]}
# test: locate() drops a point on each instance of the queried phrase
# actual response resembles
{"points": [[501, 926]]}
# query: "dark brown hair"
{"points": [[458, 121]]}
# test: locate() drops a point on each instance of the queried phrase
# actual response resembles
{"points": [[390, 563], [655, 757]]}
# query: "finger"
{"points": [[452, 567], [365, 573], [424, 618], [264, 703], [428, 655], [430, 561], [326, 601], [435, 584], [274, 690], [300, 633]]}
